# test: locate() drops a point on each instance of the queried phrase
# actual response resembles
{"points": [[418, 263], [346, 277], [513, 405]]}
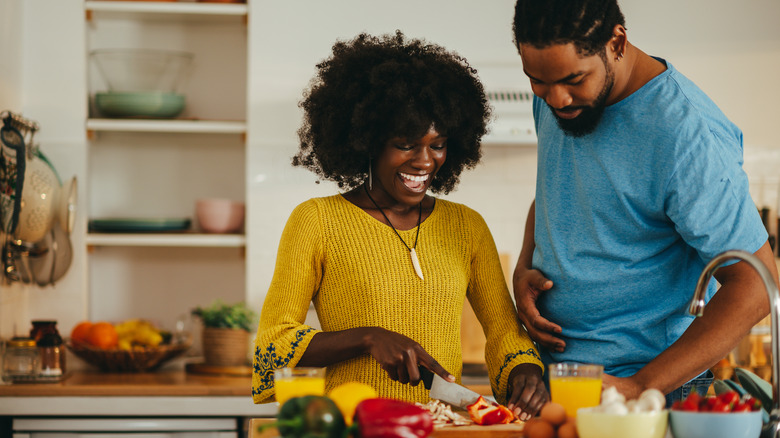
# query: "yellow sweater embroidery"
{"points": [[357, 273]]}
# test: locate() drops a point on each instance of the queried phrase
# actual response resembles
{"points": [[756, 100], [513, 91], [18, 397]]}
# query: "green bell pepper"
{"points": [[310, 416]]}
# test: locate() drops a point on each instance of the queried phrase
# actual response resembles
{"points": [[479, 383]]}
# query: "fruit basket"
{"points": [[132, 360]]}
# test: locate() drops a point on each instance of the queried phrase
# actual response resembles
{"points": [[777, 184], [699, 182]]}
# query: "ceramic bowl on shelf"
{"points": [[142, 70], [154, 104], [219, 215], [141, 82]]}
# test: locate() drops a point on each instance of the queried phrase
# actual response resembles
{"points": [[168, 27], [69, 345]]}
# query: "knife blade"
{"points": [[450, 392]]}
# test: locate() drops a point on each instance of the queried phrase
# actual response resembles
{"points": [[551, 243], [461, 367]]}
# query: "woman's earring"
{"points": [[370, 176]]}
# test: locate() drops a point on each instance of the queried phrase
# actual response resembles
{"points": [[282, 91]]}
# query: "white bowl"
{"points": [[218, 215], [592, 423]]}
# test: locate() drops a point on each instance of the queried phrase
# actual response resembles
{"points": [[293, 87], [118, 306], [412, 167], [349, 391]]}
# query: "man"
{"points": [[639, 184]]}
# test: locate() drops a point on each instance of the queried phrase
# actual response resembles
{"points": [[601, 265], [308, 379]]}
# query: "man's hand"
{"points": [[625, 385], [528, 285]]}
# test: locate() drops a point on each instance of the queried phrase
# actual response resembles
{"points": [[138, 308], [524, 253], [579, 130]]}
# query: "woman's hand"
{"points": [[400, 356], [528, 284], [526, 393]]}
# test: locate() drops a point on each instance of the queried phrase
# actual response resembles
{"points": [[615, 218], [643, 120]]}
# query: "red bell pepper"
{"points": [[389, 418], [484, 413]]}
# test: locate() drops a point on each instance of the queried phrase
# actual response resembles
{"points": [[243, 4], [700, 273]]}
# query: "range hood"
{"points": [[513, 123], [509, 93]]}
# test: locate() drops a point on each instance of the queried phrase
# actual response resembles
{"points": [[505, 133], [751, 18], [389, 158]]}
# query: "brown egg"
{"points": [[541, 429], [553, 413], [529, 425], [567, 430]]}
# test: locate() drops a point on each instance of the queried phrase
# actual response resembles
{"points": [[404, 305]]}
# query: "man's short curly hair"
{"points": [[588, 24], [373, 89]]}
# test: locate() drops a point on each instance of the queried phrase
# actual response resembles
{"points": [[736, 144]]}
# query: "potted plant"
{"points": [[226, 329]]}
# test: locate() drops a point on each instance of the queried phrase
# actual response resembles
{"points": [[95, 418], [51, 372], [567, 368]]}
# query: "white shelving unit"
{"points": [[158, 168]]}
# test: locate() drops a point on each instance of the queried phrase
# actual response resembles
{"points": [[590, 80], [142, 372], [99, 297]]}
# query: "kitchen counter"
{"points": [[161, 393]]}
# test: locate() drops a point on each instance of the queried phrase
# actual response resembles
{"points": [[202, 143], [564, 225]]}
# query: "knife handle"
{"points": [[426, 376]]}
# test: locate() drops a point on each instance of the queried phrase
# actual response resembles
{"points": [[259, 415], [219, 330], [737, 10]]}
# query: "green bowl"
{"points": [[139, 104]]}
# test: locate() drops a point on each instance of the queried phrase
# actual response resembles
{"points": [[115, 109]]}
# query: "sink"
{"points": [[772, 428]]}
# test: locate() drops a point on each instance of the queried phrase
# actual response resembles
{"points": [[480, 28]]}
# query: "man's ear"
{"points": [[617, 44]]}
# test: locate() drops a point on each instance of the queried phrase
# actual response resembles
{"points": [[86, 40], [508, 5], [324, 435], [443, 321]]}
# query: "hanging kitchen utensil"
{"points": [[13, 159], [40, 199], [41, 260], [66, 211], [62, 253], [15, 144]]}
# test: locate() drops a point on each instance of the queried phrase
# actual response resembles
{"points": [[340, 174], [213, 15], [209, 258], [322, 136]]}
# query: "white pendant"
{"points": [[416, 264]]}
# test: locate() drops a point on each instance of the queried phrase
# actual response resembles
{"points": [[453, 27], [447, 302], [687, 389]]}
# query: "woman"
{"points": [[387, 266]]}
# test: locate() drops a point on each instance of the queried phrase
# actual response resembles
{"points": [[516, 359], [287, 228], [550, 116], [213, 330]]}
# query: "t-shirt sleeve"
{"points": [[709, 201], [282, 336], [507, 342]]}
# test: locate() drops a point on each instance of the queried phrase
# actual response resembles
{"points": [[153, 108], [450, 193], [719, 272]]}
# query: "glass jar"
{"points": [[21, 361], [52, 355], [41, 328], [52, 352]]}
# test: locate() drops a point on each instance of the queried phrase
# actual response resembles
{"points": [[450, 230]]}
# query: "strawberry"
{"points": [[691, 403], [730, 398]]}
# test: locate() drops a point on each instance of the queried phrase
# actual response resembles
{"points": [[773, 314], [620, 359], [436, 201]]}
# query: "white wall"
{"points": [[731, 50], [41, 76]]}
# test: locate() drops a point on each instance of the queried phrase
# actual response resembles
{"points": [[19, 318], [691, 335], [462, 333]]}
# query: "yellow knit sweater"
{"points": [[357, 273]]}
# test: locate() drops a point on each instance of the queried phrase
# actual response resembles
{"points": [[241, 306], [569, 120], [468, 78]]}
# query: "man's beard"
{"points": [[589, 118]]}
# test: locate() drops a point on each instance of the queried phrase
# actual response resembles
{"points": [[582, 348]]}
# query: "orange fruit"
{"points": [[80, 332], [103, 335]]}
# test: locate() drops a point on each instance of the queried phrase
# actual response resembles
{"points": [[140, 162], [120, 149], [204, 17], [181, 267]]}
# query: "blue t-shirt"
{"points": [[628, 215]]}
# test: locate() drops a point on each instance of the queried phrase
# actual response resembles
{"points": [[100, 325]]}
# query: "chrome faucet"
{"points": [[772, 428]]}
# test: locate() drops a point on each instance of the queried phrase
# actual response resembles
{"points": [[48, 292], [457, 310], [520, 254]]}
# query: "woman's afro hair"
{"points": [[373, 89]]}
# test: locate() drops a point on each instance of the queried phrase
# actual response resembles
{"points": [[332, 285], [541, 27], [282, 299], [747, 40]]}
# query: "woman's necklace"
{"points": [[412, 252]]}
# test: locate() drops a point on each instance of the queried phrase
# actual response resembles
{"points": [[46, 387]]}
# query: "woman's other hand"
{"points": [[526, 393], [528, 284], [400, 356]]}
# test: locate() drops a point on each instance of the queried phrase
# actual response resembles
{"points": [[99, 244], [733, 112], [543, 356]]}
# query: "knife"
{"points": [[450, 392]]}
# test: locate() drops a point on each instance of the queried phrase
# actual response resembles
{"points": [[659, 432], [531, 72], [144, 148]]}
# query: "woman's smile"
{"points": [[415, 183]]}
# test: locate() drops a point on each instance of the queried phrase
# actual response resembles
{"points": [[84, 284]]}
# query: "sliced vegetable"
{"points": [[484, 413]]}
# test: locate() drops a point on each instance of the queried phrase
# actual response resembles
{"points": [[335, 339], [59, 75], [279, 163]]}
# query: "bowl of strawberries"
{"points": [[726, 415]]}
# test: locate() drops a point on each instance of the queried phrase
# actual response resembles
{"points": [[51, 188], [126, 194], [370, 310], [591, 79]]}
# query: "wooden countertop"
{"points": [[159, 383], [160, 393]]}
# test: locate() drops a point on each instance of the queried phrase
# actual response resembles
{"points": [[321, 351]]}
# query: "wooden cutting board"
{"points": [[476, 431], [514, 430]]}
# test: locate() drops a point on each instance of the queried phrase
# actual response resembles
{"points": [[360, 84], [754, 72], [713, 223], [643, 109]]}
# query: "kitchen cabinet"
{"points": [[157, 168]]}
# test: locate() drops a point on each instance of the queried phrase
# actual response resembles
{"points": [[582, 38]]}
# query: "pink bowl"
{"points": [[216, 215]]}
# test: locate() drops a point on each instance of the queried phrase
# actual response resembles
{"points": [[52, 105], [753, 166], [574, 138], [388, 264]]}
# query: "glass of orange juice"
{"points": [[297, 382], [575, 385]]}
